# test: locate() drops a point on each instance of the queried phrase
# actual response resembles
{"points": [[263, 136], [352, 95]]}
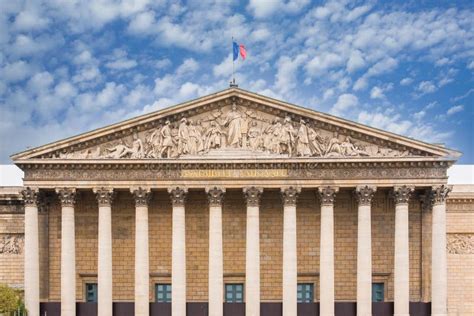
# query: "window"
{"points": [[305, 292], [91, 292], [234, 293], [163, 293], [377, 292]]}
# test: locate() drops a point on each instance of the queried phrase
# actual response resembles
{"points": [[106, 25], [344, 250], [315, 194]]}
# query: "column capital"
{"points": [[252, 195], [364, 194], [104, 196], [215, 195], [327, 195], [141, 195], [401, 194], [178, 195], [439, 194], [67, 196], [30, 196], [290, 195]]}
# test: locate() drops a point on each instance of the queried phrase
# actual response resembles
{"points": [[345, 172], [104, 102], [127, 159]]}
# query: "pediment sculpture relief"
{"points": [[237, 131]]}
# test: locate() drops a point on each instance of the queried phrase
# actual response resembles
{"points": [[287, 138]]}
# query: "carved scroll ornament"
{"points": [[364, 194], [215, 196], [104, 196], [401, 195], [142, 196], [290, 195], [67, 196], [178, 195], [252, 195], [439, 194], [327, 195], [30, 196]]}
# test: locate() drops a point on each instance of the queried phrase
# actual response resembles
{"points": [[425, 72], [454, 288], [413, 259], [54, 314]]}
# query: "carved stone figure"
{"points": [[302, 141], [316, 143], [213, 137], [255, 137], [234, 120], [136, 151], [167, 144], [183, 137], [196, 144], [287, 137], [334, 148]]}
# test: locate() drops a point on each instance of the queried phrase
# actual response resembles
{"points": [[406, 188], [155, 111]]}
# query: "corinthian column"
{"points": [[439, 281], [67, 196], [216, 271], [104, 275], [364, 196], [142, 270], [290, 270], [178, 252], [252, 256], [326, 257], [401, 195], [31, 278]]}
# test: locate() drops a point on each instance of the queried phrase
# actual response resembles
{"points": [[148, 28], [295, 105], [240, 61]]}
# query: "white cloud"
{"points": [[142, 23], [455, 109], [381, 67], [266, 8], [394, 123], [376, 93], [323, 62], [470, 65], [406, 81], [16, 71], [122, 64], [343, 103], [356, 61], [426, 87], [419, 115], [285, 78], [29, 20], [188, 67]]}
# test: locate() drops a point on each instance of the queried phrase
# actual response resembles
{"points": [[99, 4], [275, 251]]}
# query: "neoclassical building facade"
{"points": [[237, 204]]}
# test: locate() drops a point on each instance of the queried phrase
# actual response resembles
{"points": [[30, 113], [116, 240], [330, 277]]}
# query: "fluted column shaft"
{"points": [[68, 252], [31, 276], [364, 196], [326, 257], [439, 280], [178, 252], [104, 275], [216, 257], [142, 265], [290, 271], [401, 196], [252, 253]]}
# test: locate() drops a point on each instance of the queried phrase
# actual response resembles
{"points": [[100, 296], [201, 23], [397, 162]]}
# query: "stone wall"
{"points": [[460, 231], [460, 240]]}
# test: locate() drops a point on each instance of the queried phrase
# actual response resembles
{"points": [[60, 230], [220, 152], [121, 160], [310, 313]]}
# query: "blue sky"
{"points": [[67, 67]]}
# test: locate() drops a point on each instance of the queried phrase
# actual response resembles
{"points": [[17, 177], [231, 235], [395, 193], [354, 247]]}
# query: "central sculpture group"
{"points": [[239, 129]]}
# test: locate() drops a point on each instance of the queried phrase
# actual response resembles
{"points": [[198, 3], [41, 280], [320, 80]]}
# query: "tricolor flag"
{"points": [[239, 49]]}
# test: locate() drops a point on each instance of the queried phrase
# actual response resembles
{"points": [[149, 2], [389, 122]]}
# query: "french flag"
{"points": [[239, 49]]}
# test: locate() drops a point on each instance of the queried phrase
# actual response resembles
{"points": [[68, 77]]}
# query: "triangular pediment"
{"points": [[235, 124]]}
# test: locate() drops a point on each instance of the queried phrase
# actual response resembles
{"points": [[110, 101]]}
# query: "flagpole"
{"points": [[232, 83]]}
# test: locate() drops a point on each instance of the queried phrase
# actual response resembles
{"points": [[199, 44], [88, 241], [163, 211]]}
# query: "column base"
{"points": [[443, 314], [401, 314]]}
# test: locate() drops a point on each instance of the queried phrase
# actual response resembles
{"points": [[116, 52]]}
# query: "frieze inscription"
{"points": [[235, 173], [285, 171]]}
